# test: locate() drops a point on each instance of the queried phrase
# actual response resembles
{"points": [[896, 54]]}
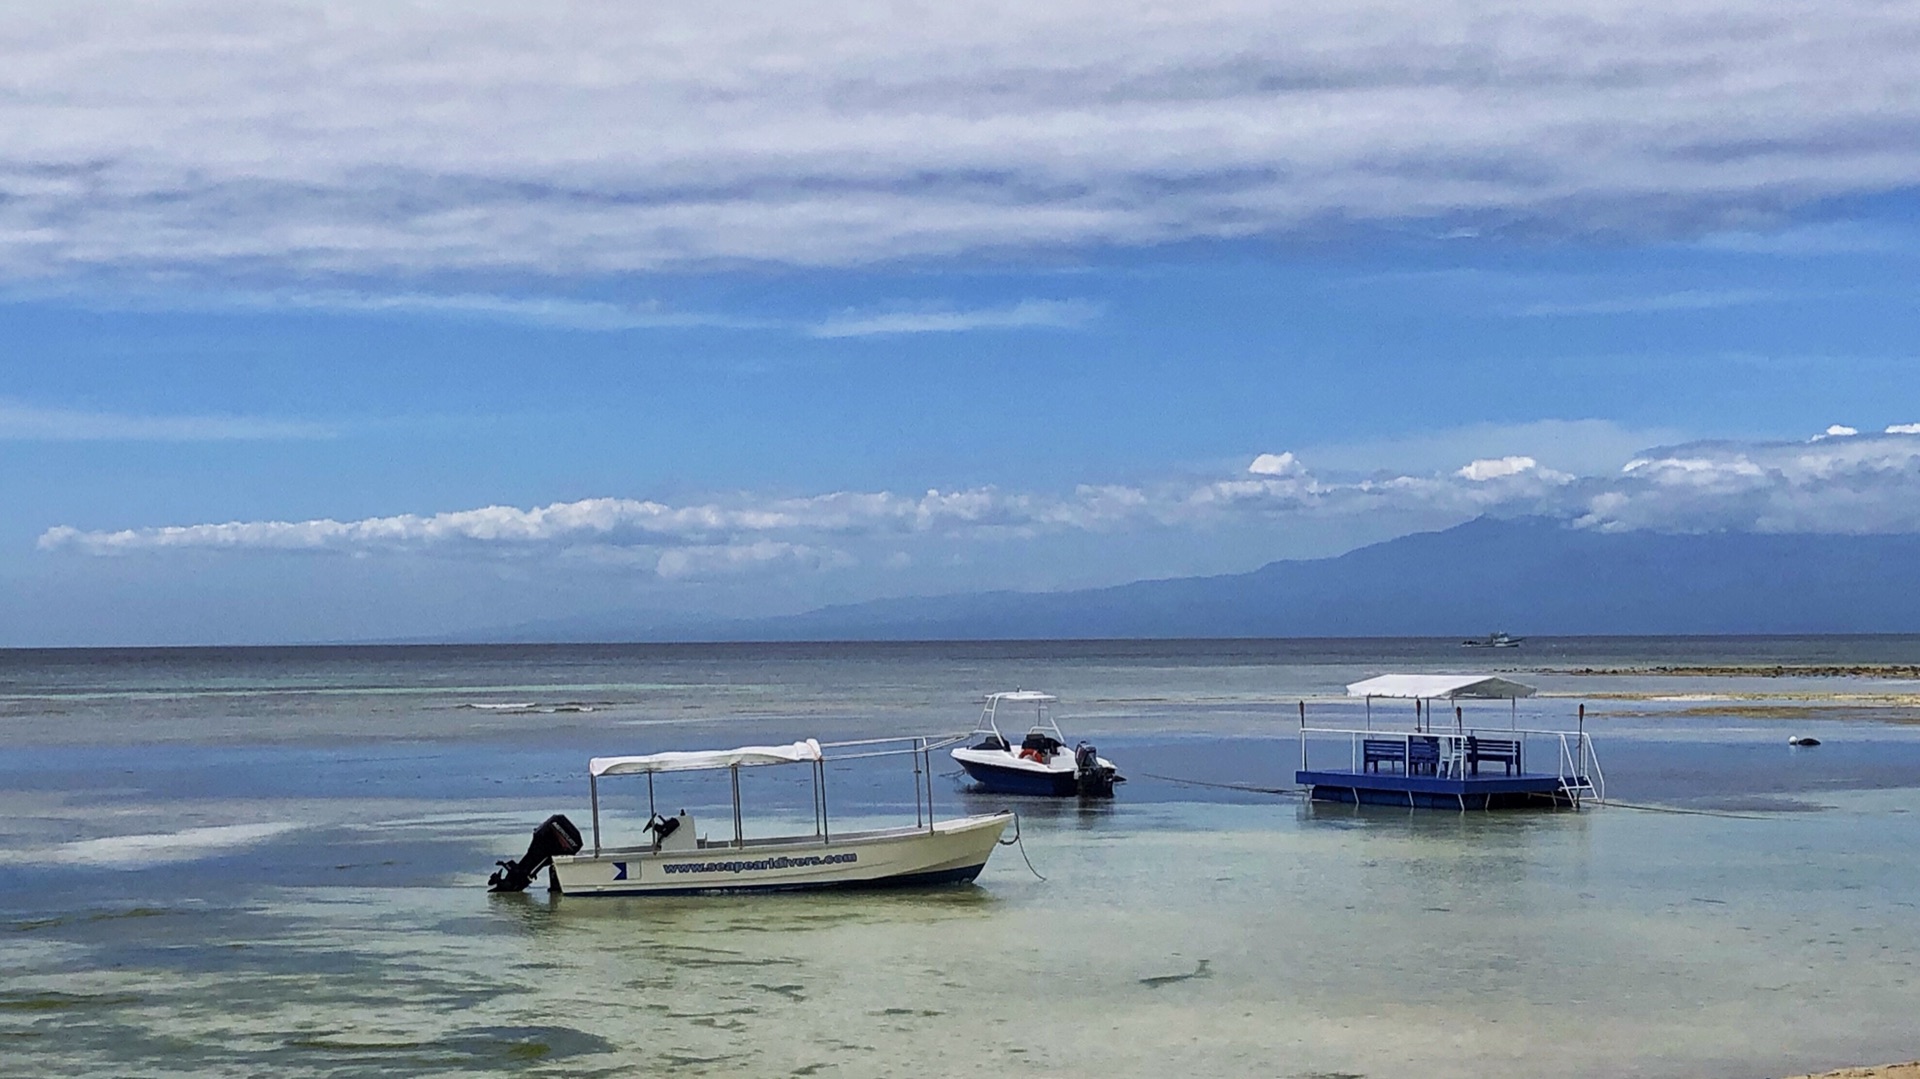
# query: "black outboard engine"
{"points": [[1094, 780], [556, 835]]}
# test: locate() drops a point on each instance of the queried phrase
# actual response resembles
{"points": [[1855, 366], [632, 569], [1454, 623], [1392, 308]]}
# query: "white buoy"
{"points": [[1802, 740]]}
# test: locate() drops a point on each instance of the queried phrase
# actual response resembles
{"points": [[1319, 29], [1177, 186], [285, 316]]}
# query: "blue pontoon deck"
{"points": [[1448, 764]]}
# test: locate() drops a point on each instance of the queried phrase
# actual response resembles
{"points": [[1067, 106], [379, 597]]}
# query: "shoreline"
{"points": [[1774, 670], [1908, 1070]]}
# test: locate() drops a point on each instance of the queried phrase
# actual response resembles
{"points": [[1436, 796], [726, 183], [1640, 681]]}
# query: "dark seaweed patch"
{"points": [[59, 1002]]}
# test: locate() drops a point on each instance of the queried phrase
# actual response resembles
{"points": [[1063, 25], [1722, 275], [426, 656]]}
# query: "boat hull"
{"points": [[1029, 781], [950, 852]]}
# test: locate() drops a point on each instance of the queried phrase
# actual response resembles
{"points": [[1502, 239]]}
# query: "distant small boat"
{"points": [[1493, 640], [1802, 740], [1041, 764]]}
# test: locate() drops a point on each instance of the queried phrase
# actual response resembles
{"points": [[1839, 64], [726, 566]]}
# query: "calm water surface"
{"points": [[252, 861]]}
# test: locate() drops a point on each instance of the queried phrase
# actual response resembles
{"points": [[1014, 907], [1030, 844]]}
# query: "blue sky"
{"points": [[309, 315]]}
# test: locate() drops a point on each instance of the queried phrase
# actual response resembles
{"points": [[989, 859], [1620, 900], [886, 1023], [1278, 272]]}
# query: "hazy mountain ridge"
{"points": [[1526, 576]]}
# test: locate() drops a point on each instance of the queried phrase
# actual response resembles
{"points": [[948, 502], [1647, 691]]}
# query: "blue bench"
{"points": [[1504, 750], [1423, 757], [1377, 751], [1415, 756]]}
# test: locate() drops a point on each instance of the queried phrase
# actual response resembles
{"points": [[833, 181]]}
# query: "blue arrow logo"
{"points": [[619, 871]]}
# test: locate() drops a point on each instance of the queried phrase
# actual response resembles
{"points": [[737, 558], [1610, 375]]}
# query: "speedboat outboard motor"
{"points": [[1094, 780], [556, 835]]}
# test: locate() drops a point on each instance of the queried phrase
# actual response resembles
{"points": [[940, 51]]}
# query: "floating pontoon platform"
{"points": [[1450, 765], [1437, 792]]}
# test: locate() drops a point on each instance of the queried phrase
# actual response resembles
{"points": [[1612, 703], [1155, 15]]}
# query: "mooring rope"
{"points": [[1017, 841], [1226, 786], [1687, 812]]}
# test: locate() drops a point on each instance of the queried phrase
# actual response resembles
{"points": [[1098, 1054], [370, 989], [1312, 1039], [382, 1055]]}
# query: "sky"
{"points": [[376, 320]]}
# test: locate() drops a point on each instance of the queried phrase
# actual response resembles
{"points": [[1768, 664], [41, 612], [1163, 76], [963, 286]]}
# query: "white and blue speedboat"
{"points": [[1041, 764]]}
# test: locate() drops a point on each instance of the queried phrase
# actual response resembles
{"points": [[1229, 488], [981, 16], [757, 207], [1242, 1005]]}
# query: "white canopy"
{"points": [[695, 760], [1440, 687], [1026, 695]]}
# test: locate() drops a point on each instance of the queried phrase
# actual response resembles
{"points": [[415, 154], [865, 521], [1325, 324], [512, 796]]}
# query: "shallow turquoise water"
{"points": [[292, 886]]}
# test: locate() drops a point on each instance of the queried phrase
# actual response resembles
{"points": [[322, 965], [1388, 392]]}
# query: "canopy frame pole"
{"points": [[739, 839], [593, 798], [920, 746], [814, 775], [826, 825], [651, 812]]}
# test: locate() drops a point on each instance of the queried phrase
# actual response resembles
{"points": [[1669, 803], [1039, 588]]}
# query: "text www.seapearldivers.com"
{"points": [[763, 863]]}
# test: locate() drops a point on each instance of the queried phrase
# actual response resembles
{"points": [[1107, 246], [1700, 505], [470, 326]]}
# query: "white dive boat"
{"points": [[1041, 763], [1494, 640], [678, 860]]}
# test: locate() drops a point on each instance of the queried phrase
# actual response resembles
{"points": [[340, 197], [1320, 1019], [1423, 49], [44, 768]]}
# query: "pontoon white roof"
{"points": [[695, 760], [1440, 687], [1027, 695]]}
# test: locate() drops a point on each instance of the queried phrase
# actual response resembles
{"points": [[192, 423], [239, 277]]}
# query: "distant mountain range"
{"points": [[1526, 576]]}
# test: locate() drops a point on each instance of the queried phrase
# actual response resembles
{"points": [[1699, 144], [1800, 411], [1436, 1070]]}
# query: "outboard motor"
{"points": [[556, 835], [1094, 780]]}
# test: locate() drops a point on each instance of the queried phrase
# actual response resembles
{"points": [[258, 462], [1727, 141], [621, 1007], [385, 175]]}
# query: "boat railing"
{"points": [[1457, 752], [919, 747]]}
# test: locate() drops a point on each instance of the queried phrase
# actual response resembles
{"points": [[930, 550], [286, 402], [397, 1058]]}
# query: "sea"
{"points": [[243, 862]]}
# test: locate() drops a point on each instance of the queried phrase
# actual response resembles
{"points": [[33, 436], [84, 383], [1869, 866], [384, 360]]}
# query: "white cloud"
{"points": [[1904, 429], [361, 137], [20, 422], [1682, 300], [1028, 314], [1862, 484], [1275, 464], [1493, 468], [1583, 447], [1840, 431], [561, 313]]}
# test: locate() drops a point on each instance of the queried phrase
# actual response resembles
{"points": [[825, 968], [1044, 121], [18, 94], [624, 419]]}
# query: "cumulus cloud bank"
{"points": [[362, 137], [1857, 484]]}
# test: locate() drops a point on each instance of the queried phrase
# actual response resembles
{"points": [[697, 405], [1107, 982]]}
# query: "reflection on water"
{"points": [[298, 903]]}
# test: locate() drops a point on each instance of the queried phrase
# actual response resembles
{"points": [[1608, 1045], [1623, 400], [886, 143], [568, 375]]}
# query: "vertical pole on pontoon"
{"points": [[1583, 739], [593, 797], [1459, 747], [919, 746], [739, 840], [651, 812], [929, 763], [1303, 736], [818, 825], [826, 829]]}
